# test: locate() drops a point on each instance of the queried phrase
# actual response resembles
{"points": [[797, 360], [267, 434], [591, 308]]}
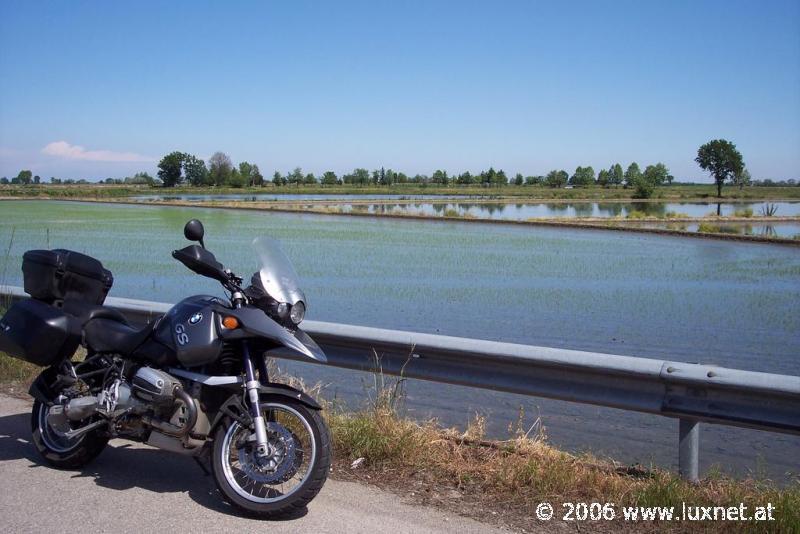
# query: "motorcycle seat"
{"points": [[86, 312], [110, 335]]}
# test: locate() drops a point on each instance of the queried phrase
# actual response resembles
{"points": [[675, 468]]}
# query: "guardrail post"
{"points": [[689, 449]]}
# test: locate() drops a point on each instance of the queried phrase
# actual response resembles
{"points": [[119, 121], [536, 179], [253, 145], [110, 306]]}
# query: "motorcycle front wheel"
{"points": [[289, 476]]}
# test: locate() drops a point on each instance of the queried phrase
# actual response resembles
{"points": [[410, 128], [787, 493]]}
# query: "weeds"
{"points": [[676, 215], [636, 214], [769, 210], [711, 228], [743, 212]]}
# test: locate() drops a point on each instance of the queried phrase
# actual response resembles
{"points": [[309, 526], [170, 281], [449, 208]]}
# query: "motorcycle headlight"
{"points": [[283, 310], [298, 312]]}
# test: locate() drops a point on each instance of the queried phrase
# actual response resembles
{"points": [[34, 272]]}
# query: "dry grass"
{"points": [[507, 479], [16, 371]]}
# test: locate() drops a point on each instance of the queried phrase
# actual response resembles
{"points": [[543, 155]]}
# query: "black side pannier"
{"points": [[38, 333], [57, 275]]}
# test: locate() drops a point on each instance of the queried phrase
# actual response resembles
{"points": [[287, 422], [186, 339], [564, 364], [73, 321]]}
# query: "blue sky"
{"points": [[98, 89]]}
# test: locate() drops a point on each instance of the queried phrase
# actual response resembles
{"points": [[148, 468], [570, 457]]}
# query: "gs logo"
{"points": [[180, 335]]}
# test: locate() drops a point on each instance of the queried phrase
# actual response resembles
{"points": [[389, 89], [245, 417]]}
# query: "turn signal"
{"points": [[230, 322]]}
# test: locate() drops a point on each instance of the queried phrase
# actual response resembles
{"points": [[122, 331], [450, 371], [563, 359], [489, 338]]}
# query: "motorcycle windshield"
{"points": [[277, 273]]}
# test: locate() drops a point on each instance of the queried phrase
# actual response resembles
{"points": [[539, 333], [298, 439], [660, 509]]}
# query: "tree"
{"points": [[4, 180], [220, 168], [277, 179], [195, 171], [439, 177], [246, 171], [235, 179], [36, 179], [519, 179], [603, 178], [465, 178], [296, 176], [359, 176], [556, 178], [657, 174], [720, 158], [632, 174], [250, 174], [388, 177], [615, 175], [329, 178], [256, 178], [24, 177], [169, 169], [584, 177], [646, 183], [743, 178], [310, 179]]}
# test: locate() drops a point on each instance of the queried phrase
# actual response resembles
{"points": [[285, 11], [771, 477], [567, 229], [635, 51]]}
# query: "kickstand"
{"points": [[202, 465]]}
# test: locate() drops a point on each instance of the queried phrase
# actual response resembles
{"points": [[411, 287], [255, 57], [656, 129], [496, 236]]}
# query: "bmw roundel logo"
{"points": [[196, 318]]}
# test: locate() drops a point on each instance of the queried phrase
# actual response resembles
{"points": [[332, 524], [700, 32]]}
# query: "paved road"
{"points": [[135, 488]]}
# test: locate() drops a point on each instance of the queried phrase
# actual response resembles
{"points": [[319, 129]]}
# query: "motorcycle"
{"points": [[193, 381]]}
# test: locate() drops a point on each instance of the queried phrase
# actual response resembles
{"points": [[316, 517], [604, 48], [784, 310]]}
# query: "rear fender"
{"points": [[42, 388]]}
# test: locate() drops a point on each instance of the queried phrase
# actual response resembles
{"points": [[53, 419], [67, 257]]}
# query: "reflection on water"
{"points": [[523, 211], [472, 206]]}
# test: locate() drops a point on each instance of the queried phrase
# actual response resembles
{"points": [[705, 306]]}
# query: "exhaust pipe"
{"points": [[169, 428]]}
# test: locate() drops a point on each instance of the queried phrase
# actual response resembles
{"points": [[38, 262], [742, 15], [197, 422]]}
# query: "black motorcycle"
{"points": [[193, 381]]}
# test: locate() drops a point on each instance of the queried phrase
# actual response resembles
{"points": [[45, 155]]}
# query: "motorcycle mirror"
{"points": [[193, 231]]}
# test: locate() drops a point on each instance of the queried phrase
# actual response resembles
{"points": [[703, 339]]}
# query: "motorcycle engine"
{"points": [[154, 386]]}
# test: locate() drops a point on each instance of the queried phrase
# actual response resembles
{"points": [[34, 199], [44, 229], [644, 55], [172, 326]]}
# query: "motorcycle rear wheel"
{"points": [[290, 478], [58, 451]]}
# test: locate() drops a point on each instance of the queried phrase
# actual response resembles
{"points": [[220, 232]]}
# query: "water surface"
{"points": [[693, 300]]}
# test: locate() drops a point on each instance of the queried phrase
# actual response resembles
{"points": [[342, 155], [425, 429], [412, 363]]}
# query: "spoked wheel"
{"points": [[58, 450], [289, 475]]}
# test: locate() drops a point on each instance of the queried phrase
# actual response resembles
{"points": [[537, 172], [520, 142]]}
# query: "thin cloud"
{"points": [[62, 149]]}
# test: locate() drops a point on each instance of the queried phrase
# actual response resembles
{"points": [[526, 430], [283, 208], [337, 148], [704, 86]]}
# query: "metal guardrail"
{"points": [[693, 393]]}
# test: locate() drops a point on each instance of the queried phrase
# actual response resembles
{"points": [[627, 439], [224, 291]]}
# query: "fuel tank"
{"points": [[190, 329]]}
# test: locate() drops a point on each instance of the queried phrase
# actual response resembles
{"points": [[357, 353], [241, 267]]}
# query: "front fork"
{"points": [[251, 387]]}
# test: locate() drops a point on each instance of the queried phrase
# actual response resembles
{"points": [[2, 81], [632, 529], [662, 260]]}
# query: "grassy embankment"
{"points": [[503, 481], [675, 192]]}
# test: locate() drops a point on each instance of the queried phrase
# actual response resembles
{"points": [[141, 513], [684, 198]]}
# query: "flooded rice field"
{"points": [[695, 300]]}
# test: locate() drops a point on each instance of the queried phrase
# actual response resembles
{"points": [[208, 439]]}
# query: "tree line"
{"points": [[177, 168], [719, 157]]}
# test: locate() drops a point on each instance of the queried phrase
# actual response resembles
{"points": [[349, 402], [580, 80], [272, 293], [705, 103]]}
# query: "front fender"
{"points": [[235, 407], [255, 323]]}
